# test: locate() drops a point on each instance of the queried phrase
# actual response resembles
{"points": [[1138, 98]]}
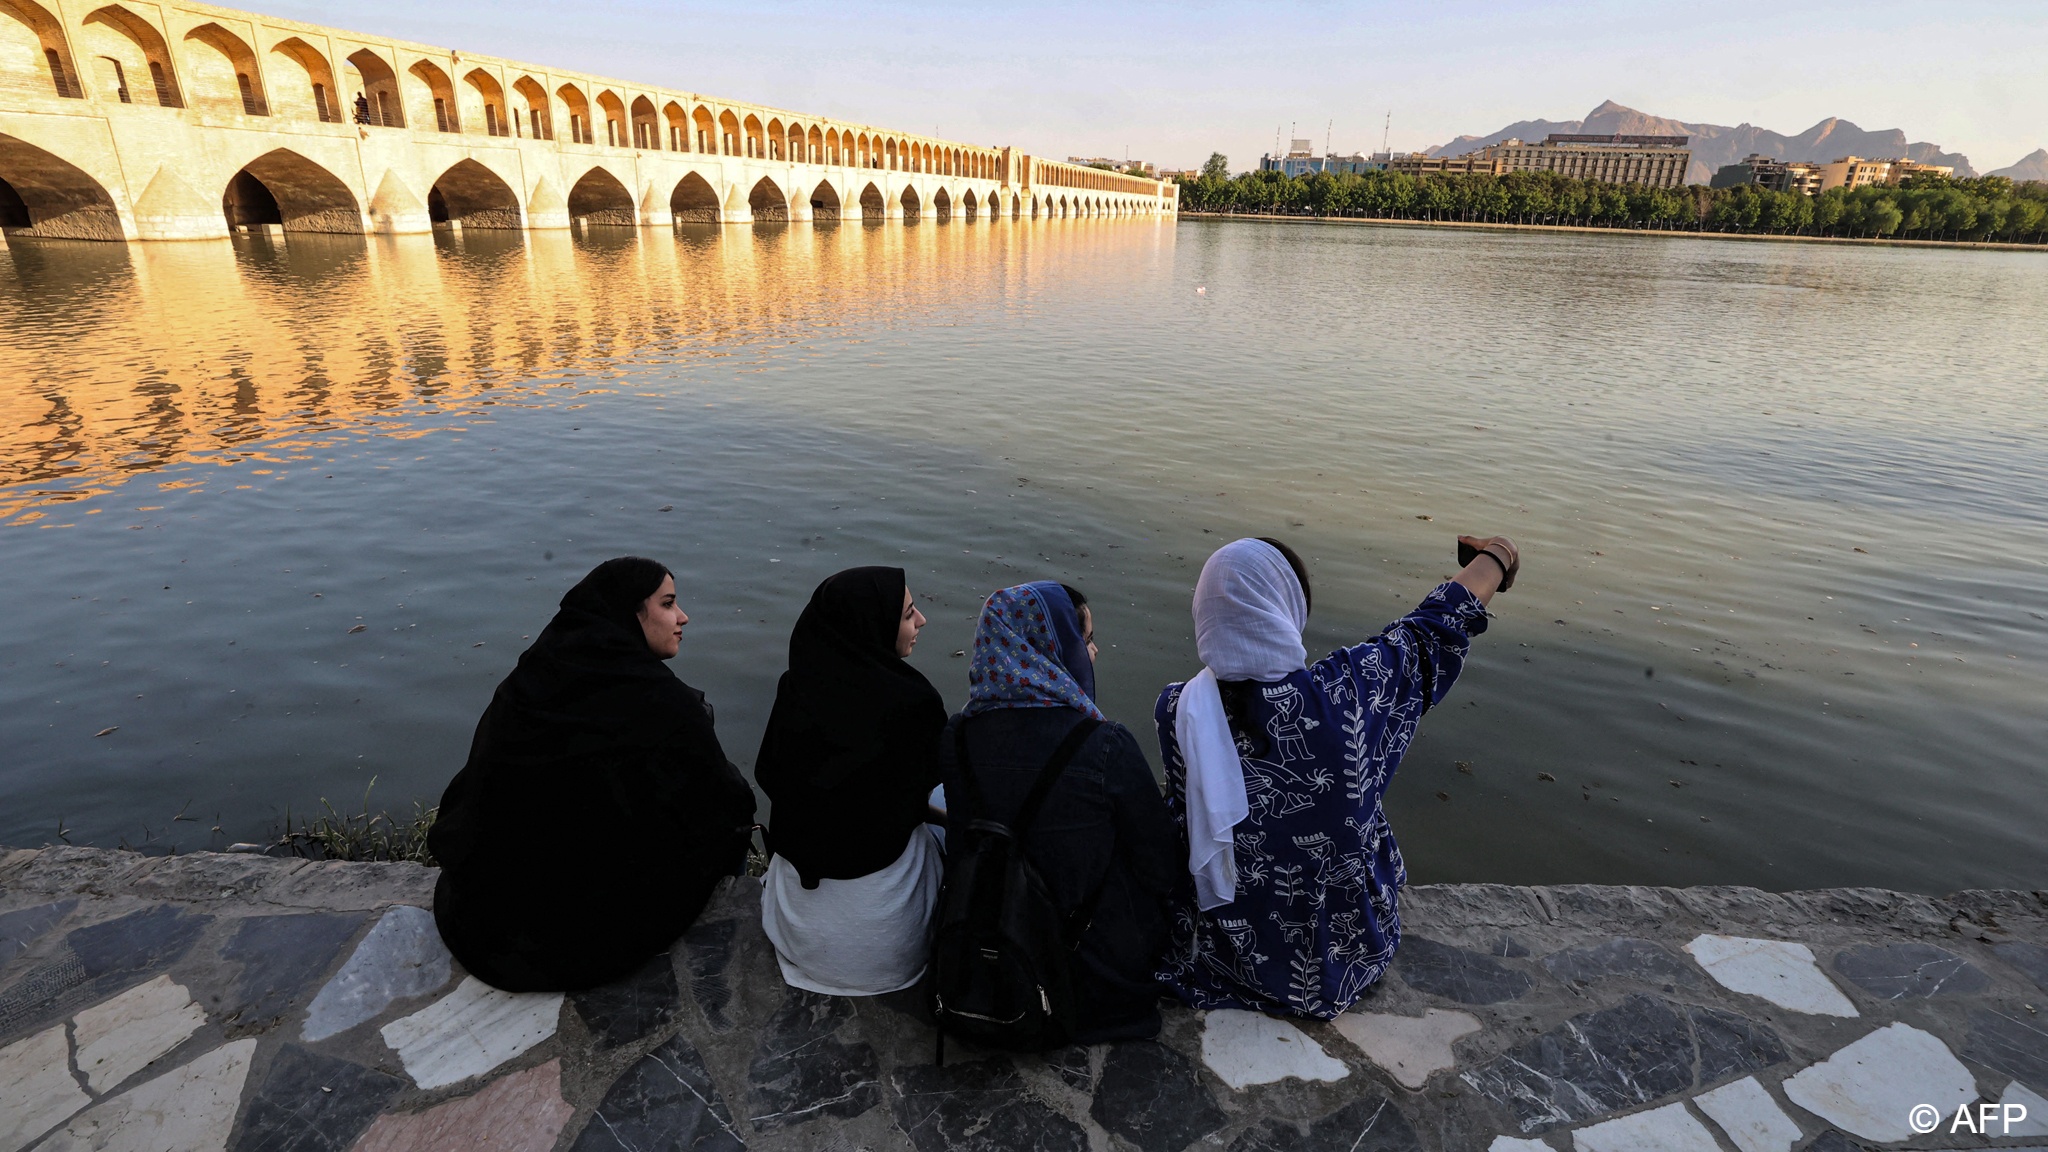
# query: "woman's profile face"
{"points": [[1088, 631], [908, 625], [662, 619]]}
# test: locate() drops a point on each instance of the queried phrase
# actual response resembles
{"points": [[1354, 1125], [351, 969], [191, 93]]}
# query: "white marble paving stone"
{"points": [[1780, 971], [1869, 1087], [400, 957], [189, 1109], [1752, 1120], [1517, 1144], [1667, 1129], [1412, 1048], [471, 1031], [2036, 1123], [37, 1090], [1246, 1048], [120, 1037]]}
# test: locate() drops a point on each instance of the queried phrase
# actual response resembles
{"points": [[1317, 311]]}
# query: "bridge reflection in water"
{"points": [[131, 360]]}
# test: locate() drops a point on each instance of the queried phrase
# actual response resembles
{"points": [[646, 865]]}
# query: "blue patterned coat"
{"points": [[1317, 918]]}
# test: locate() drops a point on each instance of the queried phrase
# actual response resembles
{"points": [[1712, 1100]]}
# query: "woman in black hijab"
{"points": [[597, 810], [849, 761]]}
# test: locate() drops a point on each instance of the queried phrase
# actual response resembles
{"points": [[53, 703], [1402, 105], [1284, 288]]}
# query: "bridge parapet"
{"points": [[186, 121]]}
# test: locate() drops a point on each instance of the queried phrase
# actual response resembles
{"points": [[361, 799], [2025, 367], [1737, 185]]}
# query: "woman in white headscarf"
{"points": [[1275, 768]]}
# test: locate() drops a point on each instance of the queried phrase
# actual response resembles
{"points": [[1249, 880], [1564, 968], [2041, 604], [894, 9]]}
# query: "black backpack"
{"points": [[1001, 960]]}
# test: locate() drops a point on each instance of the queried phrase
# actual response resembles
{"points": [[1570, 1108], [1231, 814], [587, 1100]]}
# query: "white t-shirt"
{"points": [[858, 937]]}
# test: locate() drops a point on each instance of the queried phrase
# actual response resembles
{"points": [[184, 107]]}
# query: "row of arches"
{"points": [[127, 59], [40, 194]]}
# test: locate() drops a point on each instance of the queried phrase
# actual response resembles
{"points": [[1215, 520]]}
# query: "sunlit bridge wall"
{"points": [[141, 121]]}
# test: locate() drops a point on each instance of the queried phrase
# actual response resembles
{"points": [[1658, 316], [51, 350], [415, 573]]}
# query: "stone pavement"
{"points": [[237, 1002]]}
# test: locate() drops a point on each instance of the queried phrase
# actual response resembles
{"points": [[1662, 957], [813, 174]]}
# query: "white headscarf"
{"points": [[1249, 613]]}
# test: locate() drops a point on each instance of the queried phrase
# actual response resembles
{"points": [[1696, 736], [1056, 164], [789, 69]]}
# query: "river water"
{"points": [[277, 515]]}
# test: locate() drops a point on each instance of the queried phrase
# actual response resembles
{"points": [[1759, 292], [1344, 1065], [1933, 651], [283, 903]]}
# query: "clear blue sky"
{"points": [[1173, 81]]}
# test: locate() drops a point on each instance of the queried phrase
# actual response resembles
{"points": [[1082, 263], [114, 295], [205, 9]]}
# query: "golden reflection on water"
{"points": [[130, 360]]}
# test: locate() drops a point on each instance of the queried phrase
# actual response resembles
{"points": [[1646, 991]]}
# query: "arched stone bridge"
{"points": [[169, 121]]}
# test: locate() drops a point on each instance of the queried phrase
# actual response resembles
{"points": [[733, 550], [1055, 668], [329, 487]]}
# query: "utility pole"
{"points": [[1387, 134], [1327, 128]]}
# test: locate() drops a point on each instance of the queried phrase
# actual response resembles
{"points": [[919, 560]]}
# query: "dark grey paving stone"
{"points": [[979, 1107], [310, 1102], [140, 942], [1833, 1141], [1730, 1045], [21, 927], [1368, 1124], [1507, 947], [1150, 1095], [1624, 957], [664, 1103], [630, 1010], [707, 948], [1076, 1070], [2012, 1044], [47, 990], [803, 1070], [2031, 959], [283, 959], [1457, 973], [1638, 1051], [1909, 971]]}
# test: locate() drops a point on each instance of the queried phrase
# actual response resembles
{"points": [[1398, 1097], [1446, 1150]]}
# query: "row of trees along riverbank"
{"points": [[1987, 208]]}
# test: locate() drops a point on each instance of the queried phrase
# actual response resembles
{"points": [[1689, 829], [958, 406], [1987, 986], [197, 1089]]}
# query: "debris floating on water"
{"points": [[104, 731]]}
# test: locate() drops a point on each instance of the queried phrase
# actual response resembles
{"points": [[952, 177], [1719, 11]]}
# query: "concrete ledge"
{"points": [[1670, 233], [225, 1001]]}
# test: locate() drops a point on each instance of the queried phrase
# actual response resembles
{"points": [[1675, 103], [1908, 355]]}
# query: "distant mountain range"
{"points": [[1714, 145], [2034, 166]]}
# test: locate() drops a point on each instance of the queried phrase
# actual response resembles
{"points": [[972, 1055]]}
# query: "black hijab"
{"points": [[848, 757], [595, 779]]}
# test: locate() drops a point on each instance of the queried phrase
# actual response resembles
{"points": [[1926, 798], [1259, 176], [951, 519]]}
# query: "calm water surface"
{"points": [[277, 516]]}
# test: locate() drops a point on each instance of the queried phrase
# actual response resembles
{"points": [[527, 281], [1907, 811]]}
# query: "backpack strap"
{"points": [[1050, 774], [972, 806]]}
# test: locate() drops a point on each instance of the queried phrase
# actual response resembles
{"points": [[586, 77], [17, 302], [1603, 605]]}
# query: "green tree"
{"points": [[1216, 167]]}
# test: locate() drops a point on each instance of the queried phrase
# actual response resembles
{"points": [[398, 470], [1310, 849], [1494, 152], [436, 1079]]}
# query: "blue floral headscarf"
{"points": [[1028, 653]]}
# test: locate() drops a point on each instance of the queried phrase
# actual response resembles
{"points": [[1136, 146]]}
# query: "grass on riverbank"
{"points": [[364, 835]]}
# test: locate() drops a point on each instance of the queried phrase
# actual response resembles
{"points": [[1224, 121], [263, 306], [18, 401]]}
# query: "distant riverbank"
{"points": [[1696, 234]]}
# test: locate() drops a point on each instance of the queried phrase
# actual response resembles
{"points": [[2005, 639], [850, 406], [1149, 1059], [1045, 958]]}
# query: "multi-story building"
{"points": [[1133, 167], [1767, 172], [1853, 172], [1416, 164], [1656, 161]]}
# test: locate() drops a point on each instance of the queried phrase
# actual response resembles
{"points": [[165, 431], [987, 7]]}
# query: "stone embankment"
{"points": [[220, 1001], [1674, 233]]}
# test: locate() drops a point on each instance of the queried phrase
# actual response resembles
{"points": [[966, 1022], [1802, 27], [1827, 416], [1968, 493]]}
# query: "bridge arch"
{"points": [[438, 106], [968, 205], [601, 198], [872, 206], [533, 109], [222, 73], [694, 200], [612, 111], [815, 146], [42, 195], [767, 202], [376, 99], [752, 128], [130, 59], [728, 133], [706, 128], [825, 201], [282, 187], [942, 206], [33, 54], [913, 207], [646, 124], [776, 141], [578, 107], [305, 81], [678, 123], [473, 196], [483, 102]]}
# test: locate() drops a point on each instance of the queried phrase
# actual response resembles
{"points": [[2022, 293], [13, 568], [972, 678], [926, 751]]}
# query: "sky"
{"points": [[1171, 83]]}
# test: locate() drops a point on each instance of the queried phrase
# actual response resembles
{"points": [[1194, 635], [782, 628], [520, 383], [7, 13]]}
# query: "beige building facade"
{"points": [[167, 121], [1416, 164], [1855, 172], [1652, 161]]}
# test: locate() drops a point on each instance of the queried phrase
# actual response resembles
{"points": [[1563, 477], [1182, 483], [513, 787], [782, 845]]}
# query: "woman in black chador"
{"points": [[849, 762], [597, 810]]}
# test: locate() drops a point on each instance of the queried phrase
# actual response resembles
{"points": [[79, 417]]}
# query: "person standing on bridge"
{"points": [[362, 108]]}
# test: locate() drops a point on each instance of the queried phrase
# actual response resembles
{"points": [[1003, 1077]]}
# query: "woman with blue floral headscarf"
{"points": [[1104, 834]]}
